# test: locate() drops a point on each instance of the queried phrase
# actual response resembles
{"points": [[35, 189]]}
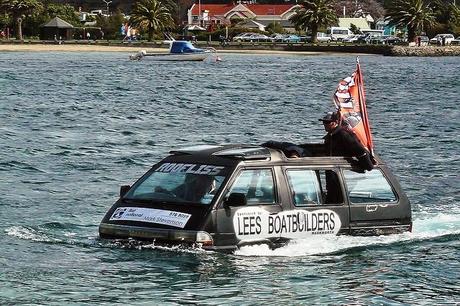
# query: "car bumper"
{"points": [[117, 231]]}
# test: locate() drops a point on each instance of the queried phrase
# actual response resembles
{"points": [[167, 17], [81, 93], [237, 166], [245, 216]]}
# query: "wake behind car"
{"points": [[226, 196]]}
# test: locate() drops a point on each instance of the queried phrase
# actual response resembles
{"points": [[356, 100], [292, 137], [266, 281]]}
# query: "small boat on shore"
{"points": [[178, 51]]}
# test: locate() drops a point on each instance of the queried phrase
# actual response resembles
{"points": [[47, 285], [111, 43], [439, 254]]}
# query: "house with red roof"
{"points": [[257, 15]]}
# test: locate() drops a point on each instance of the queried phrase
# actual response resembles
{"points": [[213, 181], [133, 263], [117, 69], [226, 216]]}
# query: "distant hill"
{"points": [[125, 5], [86, 5]]}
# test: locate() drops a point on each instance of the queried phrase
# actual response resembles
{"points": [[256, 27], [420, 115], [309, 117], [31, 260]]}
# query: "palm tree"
{"points": [[151, 15], [19, 9], [314, 14], [454, 18], [415, 14]]}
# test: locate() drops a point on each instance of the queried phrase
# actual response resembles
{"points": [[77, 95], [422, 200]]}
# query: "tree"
{"points": [[454, 19], [152, 16], [32, 24], [355, 29], [63, 11], [354, 8], [314, 14], [274, 27], [110, 25], [447, 18], [415, 14], [18, 10]]}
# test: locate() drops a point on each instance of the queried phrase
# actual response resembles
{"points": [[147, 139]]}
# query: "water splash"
{"points": [[425, 227], [28, 233]]}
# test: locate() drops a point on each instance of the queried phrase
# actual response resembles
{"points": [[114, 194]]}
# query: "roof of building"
{"points": [[214, 9], [257, 9], [57, 22], [269, 9], [283, 23], [249, 23], [361, 23]]}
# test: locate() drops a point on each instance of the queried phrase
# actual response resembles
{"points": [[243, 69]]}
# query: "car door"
{"points": [[377, 206], [319, 192], [237, 223]]}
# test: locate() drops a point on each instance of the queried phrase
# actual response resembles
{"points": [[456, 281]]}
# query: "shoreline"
{"points": [[74, 47], [237, 48], [15, 47]]}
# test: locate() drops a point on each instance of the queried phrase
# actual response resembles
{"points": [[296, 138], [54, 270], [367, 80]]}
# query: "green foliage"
{"points": [[275, 27], [453, 22], [314, 14], [32, 24], [355, 29], [416, 15], [151, 16], [111, 25], [20, 9], [5, 20], [236, 20], [63, 11]]}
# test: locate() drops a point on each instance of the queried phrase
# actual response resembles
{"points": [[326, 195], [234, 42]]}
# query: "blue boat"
{"points": [[179, 50]]}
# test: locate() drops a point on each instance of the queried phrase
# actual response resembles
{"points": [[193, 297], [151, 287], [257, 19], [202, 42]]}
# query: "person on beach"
{"points": [[340, 141]]}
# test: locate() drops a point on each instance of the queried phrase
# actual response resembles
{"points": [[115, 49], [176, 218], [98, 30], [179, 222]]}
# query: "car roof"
{"points": [[233, 154]]}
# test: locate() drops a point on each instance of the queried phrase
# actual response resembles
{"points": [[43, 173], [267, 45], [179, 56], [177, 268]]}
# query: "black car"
{"points": [[224, 197]]}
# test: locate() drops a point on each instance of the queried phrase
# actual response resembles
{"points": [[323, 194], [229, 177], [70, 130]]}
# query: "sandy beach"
{"points": [[257, 49], [73, 48], [129, 49]]}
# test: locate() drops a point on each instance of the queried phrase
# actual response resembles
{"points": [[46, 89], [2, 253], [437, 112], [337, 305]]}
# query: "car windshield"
{"points": [[180, 183]]}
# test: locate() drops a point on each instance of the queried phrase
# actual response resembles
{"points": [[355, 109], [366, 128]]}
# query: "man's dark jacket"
{"points": [[341, 142]]}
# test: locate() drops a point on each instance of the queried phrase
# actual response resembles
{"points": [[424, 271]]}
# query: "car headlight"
{"points": [[204, 238]]}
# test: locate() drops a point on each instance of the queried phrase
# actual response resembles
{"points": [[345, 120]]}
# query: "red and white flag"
{"points": [[350, 101]]}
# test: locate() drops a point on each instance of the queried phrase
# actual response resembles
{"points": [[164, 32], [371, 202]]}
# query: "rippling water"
{"points": [[75, 126]]}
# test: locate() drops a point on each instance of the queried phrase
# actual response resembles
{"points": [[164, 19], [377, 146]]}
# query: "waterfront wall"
{"points": [[367, 49], [331, 48], [426, 51], [342, 48]]}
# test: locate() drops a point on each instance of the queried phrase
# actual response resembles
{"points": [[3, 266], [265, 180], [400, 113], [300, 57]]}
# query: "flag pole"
{"points": [[362, 102]]}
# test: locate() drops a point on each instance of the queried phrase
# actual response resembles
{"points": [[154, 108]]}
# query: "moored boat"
{"points": [[178, 51]]}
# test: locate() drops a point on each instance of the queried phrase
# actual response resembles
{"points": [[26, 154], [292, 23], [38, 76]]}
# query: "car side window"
{"points": [[257, 185], [314, 187], [331, 189], [368, 187], [304, 186]]}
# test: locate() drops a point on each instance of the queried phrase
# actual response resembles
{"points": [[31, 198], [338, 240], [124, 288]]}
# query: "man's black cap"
{"points": [[329, 117]]}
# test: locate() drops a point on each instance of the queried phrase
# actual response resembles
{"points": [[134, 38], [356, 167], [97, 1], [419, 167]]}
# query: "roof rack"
{"points": [[246, 153], [194, 149]]}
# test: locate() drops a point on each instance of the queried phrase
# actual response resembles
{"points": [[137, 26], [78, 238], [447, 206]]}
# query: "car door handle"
{"points": [[371, 208]]}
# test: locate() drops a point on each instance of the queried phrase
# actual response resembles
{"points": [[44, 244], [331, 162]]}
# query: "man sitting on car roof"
{"points": [[342, 142]]}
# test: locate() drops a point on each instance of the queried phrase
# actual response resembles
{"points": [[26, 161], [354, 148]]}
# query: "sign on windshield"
{"points": [[180, 182]]}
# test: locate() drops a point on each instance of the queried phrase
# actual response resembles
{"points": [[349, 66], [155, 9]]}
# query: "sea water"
{"points": [[76, 126]]}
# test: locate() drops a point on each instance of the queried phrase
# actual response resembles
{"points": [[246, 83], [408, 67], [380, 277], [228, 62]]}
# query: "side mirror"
{"points": [[124, 190], [236, 199]]}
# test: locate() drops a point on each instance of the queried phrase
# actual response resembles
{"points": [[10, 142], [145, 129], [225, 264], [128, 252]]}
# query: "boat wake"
{"points": [[44, 234], [29, 233], [425, 227]]}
